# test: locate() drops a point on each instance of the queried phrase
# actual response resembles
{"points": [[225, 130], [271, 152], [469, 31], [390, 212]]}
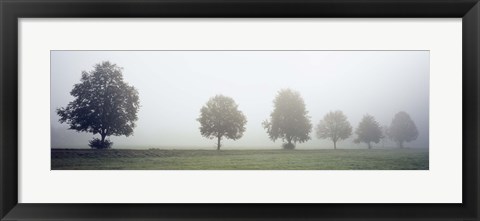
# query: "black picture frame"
{"points": [[12, 10]]}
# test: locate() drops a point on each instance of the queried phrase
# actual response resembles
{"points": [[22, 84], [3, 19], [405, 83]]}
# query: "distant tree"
{"points": [[289, 120], [335, 127], [368, 131], [402, 129], [220, 118], [104, 104], [385, 131]]}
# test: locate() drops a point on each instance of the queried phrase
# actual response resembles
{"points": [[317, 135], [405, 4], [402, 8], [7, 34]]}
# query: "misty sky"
{"points": [[174, 85]]}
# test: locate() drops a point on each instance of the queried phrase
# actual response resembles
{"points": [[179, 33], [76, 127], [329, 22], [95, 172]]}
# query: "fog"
{"points": [[174, 85]]}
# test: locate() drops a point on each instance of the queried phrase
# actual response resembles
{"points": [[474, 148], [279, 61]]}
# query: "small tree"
{"points": [[335, 127], [289, 120], [220, 118], [104, 104], [402, 129], [385, 131], [368, 131]]}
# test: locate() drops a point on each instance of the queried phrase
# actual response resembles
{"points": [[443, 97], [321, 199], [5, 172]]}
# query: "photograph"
{"points": [[239, 110]]}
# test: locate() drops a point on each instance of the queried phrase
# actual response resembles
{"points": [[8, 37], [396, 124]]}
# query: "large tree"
{"points": [[220, 118], [289, 120], [334, 126], [368, 131], [402, 129], [103, 104]]}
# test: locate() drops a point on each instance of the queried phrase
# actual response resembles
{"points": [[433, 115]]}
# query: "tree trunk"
{"points": [[335, 145], [400, 144], [218, 144], [369, 145], [103, 139]]}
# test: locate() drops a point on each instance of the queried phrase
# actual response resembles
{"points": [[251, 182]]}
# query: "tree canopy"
{"points": [[368, 131], [103, 104], [402, 129], [289, 120], [220, 118], [334, 126]]}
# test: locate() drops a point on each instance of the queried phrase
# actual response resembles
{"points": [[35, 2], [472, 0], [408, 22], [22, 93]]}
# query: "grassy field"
{"points": [[354, 159]]}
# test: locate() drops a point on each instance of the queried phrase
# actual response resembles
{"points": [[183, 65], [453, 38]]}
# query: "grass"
{"points": [[156, 159]]}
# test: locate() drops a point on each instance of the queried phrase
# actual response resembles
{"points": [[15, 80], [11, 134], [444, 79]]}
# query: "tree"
{"points": [[335, 127], [220, 118], [403, 129], [386, 132], [104, 104], [368, 131], [289, 120]]}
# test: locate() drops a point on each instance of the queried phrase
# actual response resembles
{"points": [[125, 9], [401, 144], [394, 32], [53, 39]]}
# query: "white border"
{"points": [[441, 184]]}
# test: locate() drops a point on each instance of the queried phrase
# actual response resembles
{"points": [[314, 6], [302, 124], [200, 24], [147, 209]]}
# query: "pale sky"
{"points": [[174, 85]]}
